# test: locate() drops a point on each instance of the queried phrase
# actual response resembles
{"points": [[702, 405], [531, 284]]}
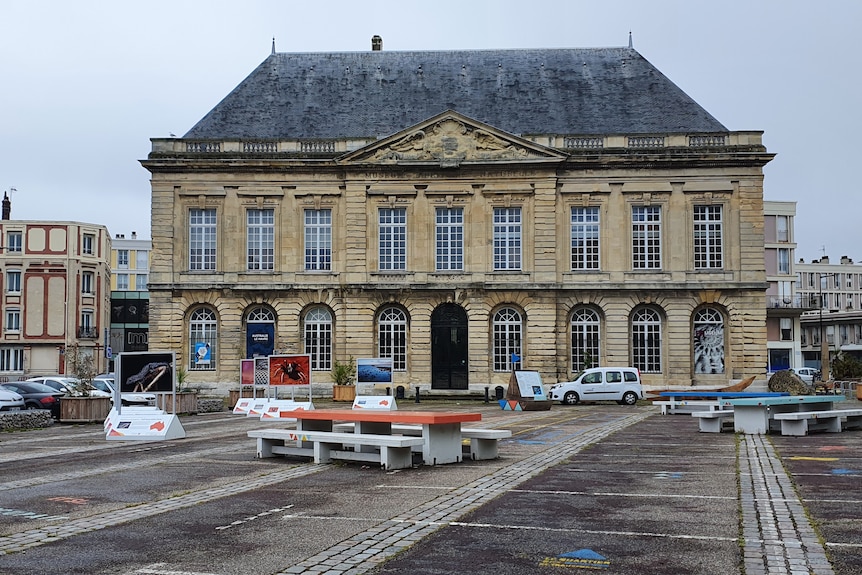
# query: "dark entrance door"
{"points": [[449, 347]]}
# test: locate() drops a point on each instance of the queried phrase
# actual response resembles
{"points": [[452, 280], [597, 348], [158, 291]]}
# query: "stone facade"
{"points": [[648, 296]]}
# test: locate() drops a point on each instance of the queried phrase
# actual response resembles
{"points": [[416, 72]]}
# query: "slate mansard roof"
{"points": [[524, 92]]}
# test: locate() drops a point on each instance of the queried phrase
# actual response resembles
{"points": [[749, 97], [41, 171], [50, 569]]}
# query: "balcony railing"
{"points": [[88, 333], [782, 302]]}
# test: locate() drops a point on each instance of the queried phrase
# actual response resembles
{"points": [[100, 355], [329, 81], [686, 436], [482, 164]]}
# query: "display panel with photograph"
{"points": [[146, 372], [289, 370]]}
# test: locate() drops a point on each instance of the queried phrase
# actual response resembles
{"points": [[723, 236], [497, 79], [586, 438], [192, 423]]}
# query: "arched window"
{"points": [[507, 331], [261, 315], [585, 339], [392, 337], [708, 341], [203, 339], [646, 340], [318, 338]]}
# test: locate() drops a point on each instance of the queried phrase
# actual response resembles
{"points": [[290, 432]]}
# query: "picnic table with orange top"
{"points": [[440, 439]]}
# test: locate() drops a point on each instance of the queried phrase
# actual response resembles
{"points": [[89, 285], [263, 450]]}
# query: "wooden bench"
{"points": [[483, 442], [389, 451], [801, 422], [712, 421]]}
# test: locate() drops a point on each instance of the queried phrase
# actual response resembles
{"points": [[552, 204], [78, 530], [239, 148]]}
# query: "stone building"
{"points": [[456, 211], [55, 294]]}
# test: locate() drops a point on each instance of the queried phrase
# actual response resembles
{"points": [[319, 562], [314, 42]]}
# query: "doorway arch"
{"points": [[449, 368]]}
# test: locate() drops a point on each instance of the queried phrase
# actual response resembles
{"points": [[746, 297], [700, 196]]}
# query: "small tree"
{"points": [[343, 373], [83, 368]]}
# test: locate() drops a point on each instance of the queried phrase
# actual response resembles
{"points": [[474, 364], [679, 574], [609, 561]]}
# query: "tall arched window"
{"points": [[507, 331], [203, 339], [646, 340], [318, 338], [585, 339], [392, 337], [708, 341], [260, 332]]}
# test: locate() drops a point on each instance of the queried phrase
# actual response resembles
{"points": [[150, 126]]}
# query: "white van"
{"points": [[620, 384]]}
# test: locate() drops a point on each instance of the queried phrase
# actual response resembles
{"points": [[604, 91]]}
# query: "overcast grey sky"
{"points": [[86, 84]]}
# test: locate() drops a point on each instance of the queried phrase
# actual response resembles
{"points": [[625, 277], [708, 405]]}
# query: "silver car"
{"points": [[10, 401], [105, 382]]}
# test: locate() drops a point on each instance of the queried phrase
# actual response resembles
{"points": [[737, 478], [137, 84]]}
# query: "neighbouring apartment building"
{"points": [[784, 305], [130, 301], [833, 293], [56, 290], [463, 213]]}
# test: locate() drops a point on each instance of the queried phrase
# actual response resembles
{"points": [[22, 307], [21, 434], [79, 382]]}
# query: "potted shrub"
{"points": [[81, 406], [186, 396], [343, 381]]}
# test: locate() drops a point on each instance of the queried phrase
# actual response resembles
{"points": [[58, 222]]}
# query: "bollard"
{"points": [[487, 397], [417, 394], [387, 391]]}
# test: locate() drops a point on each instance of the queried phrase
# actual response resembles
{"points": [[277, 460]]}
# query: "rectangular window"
{"points": [[13, 281], [88, 283], [11, 359], [14, 242], [708, 238], [142, 260], [585, 239], [646, 238], [782, 228], [202, 239], [507, 239], [318, 240], [13, 320], [141, 282], [449, 237], [87, 327], [122, 282], [89, 243], [123, 259], [393, 239], [261, 239], [786, 329], [783, 261]]}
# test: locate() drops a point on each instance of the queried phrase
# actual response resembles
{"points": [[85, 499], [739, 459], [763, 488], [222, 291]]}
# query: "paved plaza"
{"points": [[607, 487]]}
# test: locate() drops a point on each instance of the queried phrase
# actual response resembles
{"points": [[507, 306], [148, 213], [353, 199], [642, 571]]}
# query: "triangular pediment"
{"points": [[449, 140]]}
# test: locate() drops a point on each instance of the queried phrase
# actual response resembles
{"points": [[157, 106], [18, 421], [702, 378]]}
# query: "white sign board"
{"points": [[146, 426], [276, 406], [376, 402], [530, 385]]}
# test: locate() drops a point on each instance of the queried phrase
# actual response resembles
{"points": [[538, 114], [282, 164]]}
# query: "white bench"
{"points": [[712, 421], [686, 405], [801, 422], [483, 442], [390, 451]]}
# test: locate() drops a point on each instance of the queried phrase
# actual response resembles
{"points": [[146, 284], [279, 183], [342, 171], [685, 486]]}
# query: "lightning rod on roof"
{"points": [[273, 44], [630, 40]]}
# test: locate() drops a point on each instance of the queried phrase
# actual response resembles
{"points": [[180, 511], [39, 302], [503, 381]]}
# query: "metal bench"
{"points": [[712, 421], [390, 451], [801, 422]]}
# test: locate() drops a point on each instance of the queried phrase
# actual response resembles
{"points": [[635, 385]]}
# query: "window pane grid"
{"points": [[585, 340], [203, 329], [646, 237], [708, 237], [11, 359], [261, 239], [646, 341], [507, 338], [450, 239], [318, 240], [585, 238], [318, 338], [393, 239], [202, 239], [392, 337], [708, 341], [507, 238]]}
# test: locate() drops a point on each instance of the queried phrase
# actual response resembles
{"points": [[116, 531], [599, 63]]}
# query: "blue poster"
{"points": [[202, 353], [259, 339]]}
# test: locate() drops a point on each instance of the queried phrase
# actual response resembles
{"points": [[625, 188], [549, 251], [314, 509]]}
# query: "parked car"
{"points": [[68, 385], [36, 395], [807, 374], [620, 384], [10, 401], [105, 382]]}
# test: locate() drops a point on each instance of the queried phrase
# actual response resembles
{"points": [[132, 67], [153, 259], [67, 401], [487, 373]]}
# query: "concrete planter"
{"points": [[84, 409]]}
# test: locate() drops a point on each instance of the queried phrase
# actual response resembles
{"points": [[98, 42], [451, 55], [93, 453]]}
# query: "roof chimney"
{"points": [[376, 43], [134, 235], [7, 207]]}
